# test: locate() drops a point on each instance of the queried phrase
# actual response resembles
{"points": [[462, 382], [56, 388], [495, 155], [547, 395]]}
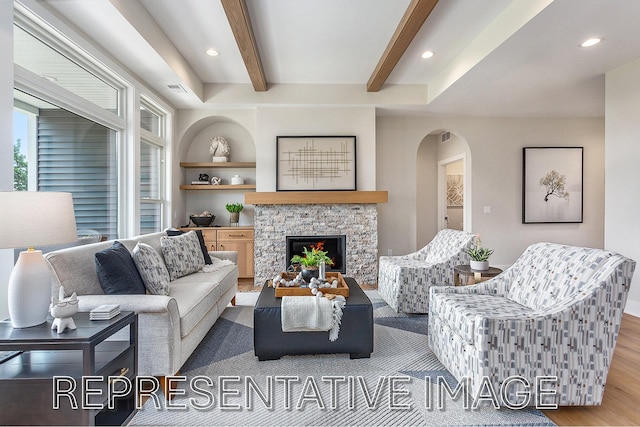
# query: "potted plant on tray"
{"points": [[311, 260], [479, 256], [234, 210]]}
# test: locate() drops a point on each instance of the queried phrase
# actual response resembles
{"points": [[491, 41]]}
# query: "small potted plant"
{"points": [[311, 260], [479, 256], [234, 210]]}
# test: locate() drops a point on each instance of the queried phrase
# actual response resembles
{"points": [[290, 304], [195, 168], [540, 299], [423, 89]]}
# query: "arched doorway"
{"points": [[443, 169]]}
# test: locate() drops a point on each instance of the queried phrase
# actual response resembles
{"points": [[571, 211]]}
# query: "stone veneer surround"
{"points": [[358, 222]]}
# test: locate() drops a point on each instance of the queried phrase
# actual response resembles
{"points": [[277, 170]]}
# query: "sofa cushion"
{"points": [[461, 311], [171, 232], [182, 254], [152, 269], [197, 293], [117, 272]]}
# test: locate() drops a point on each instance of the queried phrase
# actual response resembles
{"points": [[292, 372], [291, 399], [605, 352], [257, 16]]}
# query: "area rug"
{"points": [[396, 386]]}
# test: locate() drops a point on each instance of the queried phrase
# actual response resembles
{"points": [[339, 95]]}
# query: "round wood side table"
{"points": [[465, 275]]}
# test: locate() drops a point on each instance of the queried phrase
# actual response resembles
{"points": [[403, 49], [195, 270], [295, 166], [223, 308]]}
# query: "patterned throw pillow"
{"points": [[152, 269], [205, 252], [182, 254]]}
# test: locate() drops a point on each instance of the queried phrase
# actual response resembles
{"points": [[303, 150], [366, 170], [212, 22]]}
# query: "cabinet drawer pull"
{"points": [[222, 247], [236, 235], [122, 373]]}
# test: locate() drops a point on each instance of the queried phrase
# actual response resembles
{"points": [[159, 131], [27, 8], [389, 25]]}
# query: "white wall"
{"points": [[622, 201], [425, 214], [6, 136], [496, 154], [273, 122]]}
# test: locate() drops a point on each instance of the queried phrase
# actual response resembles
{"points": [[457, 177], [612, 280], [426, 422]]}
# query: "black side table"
{"points": [[26, 380]]}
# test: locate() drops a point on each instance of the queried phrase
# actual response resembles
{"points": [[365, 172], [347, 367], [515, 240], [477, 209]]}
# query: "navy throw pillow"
{"points": [[175, 232], [117, 273]]}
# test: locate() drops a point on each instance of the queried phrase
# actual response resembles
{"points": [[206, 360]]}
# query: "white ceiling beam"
{"points": [[416, 14], [140, 19], [514, 17]]}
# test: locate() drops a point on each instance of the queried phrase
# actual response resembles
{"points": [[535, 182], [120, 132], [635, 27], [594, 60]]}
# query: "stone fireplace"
{"points": [[358, 222]]}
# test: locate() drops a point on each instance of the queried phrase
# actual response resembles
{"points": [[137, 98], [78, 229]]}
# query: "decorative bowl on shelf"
{"points": [[202, 221]]}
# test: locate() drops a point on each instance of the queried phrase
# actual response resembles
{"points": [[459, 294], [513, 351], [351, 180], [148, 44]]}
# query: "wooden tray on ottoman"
{"points": [[342, 288]]}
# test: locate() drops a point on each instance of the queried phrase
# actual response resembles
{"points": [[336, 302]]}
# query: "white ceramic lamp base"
{"points": [[29, 290]]}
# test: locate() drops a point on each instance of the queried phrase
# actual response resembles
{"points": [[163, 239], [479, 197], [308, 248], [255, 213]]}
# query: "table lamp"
{"points": [[29, 219]]}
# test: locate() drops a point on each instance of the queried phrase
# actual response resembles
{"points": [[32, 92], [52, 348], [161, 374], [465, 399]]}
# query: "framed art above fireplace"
{"points": [[315, 163]]}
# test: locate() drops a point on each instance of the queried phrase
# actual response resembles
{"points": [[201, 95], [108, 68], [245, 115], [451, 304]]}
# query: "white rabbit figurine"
{"points": [[62, 308]]}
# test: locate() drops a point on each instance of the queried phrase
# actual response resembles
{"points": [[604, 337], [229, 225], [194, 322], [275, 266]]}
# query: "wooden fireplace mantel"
{"points": [[315, 197]]}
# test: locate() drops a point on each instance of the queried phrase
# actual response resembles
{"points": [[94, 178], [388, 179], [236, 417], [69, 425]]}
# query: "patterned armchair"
{"points": [[404, 281], [555, 312]]}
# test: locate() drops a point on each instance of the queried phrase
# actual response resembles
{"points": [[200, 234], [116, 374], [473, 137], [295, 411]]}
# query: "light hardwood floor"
{"points": [[620, 406], [622, 392]]}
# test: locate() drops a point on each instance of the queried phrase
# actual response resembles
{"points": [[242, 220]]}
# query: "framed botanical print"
{"points": [[552, 185]]}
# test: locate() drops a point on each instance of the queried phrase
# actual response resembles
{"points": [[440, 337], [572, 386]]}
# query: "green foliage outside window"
{"points": [[20, 171]]}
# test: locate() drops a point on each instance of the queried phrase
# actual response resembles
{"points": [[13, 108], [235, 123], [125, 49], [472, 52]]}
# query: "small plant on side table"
{"points": [[479, 256]]}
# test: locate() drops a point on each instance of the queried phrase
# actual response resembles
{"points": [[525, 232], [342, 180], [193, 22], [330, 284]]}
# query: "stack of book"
{"points": [[104, 312]]}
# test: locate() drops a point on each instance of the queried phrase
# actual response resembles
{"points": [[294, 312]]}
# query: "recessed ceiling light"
{"points": [[590, 42], [50, 78], [427, 54], [212, 52]]}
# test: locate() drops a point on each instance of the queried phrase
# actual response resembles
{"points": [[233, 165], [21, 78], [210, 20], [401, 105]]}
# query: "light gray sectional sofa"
{"points": [[169, 327]]}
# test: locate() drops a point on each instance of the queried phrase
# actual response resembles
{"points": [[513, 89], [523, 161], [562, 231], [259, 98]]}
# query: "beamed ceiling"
{"points": [[491, 57]]}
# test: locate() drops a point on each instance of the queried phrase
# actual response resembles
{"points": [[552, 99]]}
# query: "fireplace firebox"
{"points": [[336, 247]]}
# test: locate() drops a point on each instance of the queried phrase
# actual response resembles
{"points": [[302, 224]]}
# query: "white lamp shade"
{"points": [[35, 218]]}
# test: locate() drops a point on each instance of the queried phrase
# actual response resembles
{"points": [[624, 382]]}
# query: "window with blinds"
{"points": [[151, 200], [78, 156], [72, 134], [152, 166]]}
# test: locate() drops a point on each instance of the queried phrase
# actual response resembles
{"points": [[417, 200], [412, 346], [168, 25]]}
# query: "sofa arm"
{"points": [[139, 303], [230, 255], [159, 341]]}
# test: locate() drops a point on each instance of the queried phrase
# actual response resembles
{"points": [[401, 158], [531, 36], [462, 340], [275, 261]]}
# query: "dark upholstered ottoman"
{"points": [[356, 329]]}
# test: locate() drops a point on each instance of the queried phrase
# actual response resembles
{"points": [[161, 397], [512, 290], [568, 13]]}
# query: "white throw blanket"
{"points": [[312, 314], [216, 264]]}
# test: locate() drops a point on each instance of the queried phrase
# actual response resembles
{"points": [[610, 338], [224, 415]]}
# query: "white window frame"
{"points": [[151, 138], [31, 15]]}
